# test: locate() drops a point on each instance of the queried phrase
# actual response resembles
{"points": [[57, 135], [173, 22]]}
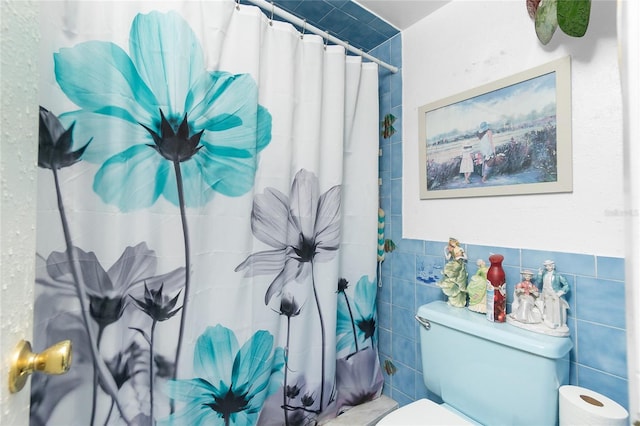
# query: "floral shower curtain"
{"points": [[207, 218]]}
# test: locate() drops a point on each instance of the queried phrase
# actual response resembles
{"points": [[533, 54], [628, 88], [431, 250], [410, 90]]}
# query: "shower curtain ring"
{"points": [[326, 40], [237, 4], [272, 9], [304, 28]]}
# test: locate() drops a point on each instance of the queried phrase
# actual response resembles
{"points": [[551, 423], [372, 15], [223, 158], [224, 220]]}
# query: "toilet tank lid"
{"points": [[476, 324]]}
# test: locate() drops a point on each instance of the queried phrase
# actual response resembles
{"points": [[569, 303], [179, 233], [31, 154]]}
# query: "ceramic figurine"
{"points": [[454, 280], [550, 304], [524, 308], [554, 287], [477, 289]]}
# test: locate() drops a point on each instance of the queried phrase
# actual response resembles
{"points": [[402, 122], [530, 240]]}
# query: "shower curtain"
{"points": [[207, 217]]}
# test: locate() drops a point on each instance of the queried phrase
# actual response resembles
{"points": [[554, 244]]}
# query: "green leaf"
{"points": [[573, 16], [546, 20]]}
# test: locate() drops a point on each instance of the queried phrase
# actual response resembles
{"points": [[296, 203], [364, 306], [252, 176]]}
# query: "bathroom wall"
{"points": [[467, 44], [461, 46], [18, 148]]}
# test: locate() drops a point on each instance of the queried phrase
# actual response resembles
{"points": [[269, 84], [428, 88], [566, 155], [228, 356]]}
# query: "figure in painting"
{"points": [[525, 295], [487, 148], [466, 163], [454, 280]]}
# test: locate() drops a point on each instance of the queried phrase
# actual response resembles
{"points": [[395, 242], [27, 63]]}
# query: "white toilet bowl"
{"points": [[423, 412]]}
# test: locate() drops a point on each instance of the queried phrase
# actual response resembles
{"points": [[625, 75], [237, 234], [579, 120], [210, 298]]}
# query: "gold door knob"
{"points": [[55, 359]]}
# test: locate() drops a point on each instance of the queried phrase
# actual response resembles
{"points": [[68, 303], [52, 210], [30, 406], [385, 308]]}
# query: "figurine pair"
{"points": [[541, 309]]}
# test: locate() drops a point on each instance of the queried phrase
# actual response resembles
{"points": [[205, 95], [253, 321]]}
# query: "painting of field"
{"points": [[508, 137], [522, 122], [523, 156]]}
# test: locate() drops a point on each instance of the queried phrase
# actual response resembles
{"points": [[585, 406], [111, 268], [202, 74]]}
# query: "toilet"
{"points": [[486, 373]]}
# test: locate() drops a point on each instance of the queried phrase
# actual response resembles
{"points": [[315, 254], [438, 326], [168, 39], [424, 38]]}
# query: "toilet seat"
{"points": [[422, 412]]}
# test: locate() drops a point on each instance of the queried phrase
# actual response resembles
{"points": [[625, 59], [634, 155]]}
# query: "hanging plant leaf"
{"points": [[573, 16], [546, 20], [532, 7]]}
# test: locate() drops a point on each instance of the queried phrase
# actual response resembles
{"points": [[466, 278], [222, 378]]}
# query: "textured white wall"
{"points": [[629, 41], [466, 44], [18, 147]]}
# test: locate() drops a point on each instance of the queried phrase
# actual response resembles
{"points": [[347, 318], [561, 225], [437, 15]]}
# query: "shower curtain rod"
{"points": [[275, 10]]}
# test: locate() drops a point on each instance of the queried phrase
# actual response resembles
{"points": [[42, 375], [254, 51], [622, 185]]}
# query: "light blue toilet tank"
{"points": [[494, 373]]}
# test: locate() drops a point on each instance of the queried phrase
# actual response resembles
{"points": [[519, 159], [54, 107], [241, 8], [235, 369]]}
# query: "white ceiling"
{"points": [[402, 13]]}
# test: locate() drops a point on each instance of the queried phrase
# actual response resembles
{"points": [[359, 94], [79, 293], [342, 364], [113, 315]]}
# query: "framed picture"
{"points": [[512, 136]]}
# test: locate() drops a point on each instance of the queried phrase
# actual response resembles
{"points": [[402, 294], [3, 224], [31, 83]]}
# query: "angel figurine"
{"points": [[539, 304]]}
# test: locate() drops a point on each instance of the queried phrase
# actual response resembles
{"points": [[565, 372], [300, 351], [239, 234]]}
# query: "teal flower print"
{"points": [[158, 108], [356, 319], [161, 123], [232, 382], [358, 375]]}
